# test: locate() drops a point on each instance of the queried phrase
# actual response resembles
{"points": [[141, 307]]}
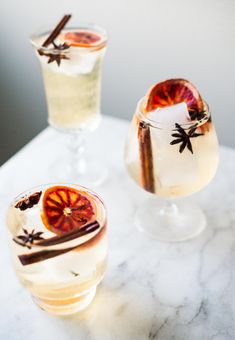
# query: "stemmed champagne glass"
{"points": [[171, 152], [71, 61]]}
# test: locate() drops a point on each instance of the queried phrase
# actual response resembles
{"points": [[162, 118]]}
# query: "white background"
{"points": [[149, 41]]}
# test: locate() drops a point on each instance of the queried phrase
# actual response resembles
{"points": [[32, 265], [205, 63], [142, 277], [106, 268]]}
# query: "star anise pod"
{"points": [[51, 40], [61, 47], [55, 57], [197, 115], [27, 239], [184, 138], [29, 202]]}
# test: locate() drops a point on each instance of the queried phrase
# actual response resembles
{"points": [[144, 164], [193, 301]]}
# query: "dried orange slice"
{"points": [[81, 39], [174, 91], [65, 208]]}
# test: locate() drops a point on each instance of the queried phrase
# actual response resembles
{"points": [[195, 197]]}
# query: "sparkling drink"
{"points": [[71, 63], [174, 173], [72, 76], [58, 244], [171, 151]]}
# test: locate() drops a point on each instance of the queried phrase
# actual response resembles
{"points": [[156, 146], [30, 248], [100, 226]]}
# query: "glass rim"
{"points": [[48, 185], [168, 126], [89, 26]]}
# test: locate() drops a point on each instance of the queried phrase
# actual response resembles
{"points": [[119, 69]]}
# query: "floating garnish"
{"points": [[65, 208], [197, 115], [146, 158], [29, 202], [183, 137], [54, 56], [175, 91], [69, 236], [81, 38], [43, 255], [28, 239]]}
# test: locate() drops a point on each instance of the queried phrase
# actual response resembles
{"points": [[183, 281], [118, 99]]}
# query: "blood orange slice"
{"points": [[65, 208], [174, 91], [81, 39]]}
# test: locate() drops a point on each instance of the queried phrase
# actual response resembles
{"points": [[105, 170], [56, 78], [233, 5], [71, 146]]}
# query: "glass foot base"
{"points": [[170, 222], [89, 173], [68, 306]]}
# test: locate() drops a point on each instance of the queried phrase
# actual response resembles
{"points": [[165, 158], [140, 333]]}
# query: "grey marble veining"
{"points": [[151, 290]]}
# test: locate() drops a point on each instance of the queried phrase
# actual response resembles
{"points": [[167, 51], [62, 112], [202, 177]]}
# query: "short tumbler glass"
{"points": [[58, 244]]}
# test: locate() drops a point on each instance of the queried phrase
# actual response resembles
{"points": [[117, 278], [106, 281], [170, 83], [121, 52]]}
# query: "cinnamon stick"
{"points": [[57, 30], [146, 158], [43, 255], [71, 235]]}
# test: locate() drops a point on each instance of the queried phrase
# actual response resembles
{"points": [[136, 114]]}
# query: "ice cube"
{"points": [[76, 65], [80, 63], [177, 113], [176, 172], [172, 168]]}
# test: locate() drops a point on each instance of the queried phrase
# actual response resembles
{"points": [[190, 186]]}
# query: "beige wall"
{"points": [[149, 41]]}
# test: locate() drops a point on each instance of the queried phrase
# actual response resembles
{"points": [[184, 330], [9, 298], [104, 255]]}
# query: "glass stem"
{"points": [[170, 208], [76, 148]]}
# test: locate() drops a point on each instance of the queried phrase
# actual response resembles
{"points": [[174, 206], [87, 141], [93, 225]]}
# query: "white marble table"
{"points": [[151, 290]]}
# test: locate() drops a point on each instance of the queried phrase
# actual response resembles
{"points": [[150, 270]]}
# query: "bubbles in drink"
{"points": [[72, 77]]}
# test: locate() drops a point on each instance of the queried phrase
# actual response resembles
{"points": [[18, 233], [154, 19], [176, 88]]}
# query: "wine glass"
{"points": [[171, 160], [71, 66]]}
